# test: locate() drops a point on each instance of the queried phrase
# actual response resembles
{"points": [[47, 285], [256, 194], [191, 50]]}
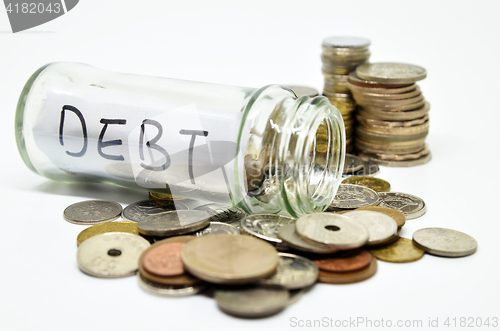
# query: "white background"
{"points": [[255, 43]]}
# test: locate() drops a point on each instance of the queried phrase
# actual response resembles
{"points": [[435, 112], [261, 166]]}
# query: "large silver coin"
{"points": [[346, 42], [111, 255], [380, 226], [265, 226], [290, 237], [332, 229], [218, 228], [138, 210], [253, 301], [173, 223], [222, 213], [293, 272], [410, 205], [351, 196], [304, 90], [445, 242], [352, 163], [169, 290], [92, 212], [391, 73]]}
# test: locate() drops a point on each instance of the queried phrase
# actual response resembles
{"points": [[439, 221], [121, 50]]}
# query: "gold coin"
{"points": [[381, 90], [405, 163], [117, 226], [391, 124], [394, 115], [230, 259], [401, 251], [402, 157], [397, 131], [376, 184], [396, 215], [348, 277], [373, 148], [396, 140]]}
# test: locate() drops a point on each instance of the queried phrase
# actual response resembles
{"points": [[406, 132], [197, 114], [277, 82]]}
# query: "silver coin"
{"points": [[351, 196], [445, 242], [392, 73], [295, 295], [410, 205], [352, 163], [111, 255], [346, 42], [332, 229], [92, 212], [252, 302], [173, 223], [380, 226], [265, 226], [169, 290], [222, 213], [293, 272], [138, 210], [304, 90], [218, 228], [290, 237]]}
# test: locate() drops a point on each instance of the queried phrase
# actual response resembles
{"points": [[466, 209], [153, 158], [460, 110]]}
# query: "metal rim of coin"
{"points": [[445, 242], [173, 223], [265, 226], [392, 73], [252, 302], [410, 205], [169, 290], [344, 263], [116, 226], [294, 272], [387, 104], [388, 139], [229, 259], [381, 98], [394, 115], [373, 148], [401, 251], [289, 236], [352, 163], [395, 108], [376, 184], [333, 230], [396, 215], [346, 42], [408, 163], [392, 124], [138, 210], [350, 196], [380, 226], [303, 90], [217, 228], [381, 90], [349, 277], [92, 212], [396, 131], [397, 157], [358, 81], [111, 255]]}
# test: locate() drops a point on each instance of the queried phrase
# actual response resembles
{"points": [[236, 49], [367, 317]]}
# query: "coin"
{"points": [[380, 90], [346, 42], [405, 163], [117, 226], [396, 215], [331, 229], [350, 276], [169, 290], [222, 213], [373, 148], [173, 223], [352, 163], [164, 259], [111, 255], [349, 261], [353, 79], [218, 228], [293, 272], [395, 115], [351, 196], [229, 259], [292, 239], [376, 184], [252, 302], [380, 226], [411, 206], [401, 251], [92, 212], [392, 124], [445, 242], [391, 73], [304, 90], [138, 210], [265, 226]]}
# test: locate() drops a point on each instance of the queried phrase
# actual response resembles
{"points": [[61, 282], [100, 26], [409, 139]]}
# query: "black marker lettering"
{"points": [[84, 130], [102, 144], [193, 134], [152, 144]]}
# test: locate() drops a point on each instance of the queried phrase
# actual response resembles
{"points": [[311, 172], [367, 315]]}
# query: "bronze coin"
{"points": [[165, 259], [347, 263], [398, 216], [348, 277], [400, 251]]}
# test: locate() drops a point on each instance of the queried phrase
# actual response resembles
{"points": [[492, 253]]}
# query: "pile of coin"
{"points": [[392, 118], [341, 55]]}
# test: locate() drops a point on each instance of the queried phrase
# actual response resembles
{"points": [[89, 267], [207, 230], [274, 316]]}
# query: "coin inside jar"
{"points": [[173, 223], [380, 226], [345, 262], [138, 210]]}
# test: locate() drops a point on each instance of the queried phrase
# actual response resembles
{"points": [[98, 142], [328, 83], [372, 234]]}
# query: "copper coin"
{"points": [[347, 263], [398, 216], [348, 277], [165, 259]]}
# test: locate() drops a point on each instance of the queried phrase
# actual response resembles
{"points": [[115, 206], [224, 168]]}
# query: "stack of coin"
{"points": [[392, 117], [341, 55]]}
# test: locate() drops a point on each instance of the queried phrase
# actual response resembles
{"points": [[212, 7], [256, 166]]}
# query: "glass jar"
{"points": [[264, 150]]}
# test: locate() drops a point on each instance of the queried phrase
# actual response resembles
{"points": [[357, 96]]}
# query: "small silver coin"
{"points": [[168, 290], [139, 210], [173, 223], [265, 226], [111, 255], [346, 42], [380, 226], [331, 229], [304, 90], [411, 206], [92, 212], [222, 213], [350, 196], [445, 242], [252, 302], [352, 163], [293, 272], [391, 73], [290, 237], [218, 228]]}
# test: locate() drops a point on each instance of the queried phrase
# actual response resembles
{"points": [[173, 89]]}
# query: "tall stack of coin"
{"points": [[341, 55], [393, 119]]}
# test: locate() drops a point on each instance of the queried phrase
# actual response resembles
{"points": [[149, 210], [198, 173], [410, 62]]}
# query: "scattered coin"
{"points": [[352, 163], [173, 223], [445, 242], [138, 210], [404, 163], [116, 226], [218, 228], [222, 213], [92, 212], [111, 255], [396, 215], [349, 261], [354, 196], [169, 290], [401, 251], [288, 234], [411, 206], [293, 272], [350, 276], [265, 226], [164, 259], [304, 90], [229, 259], [391, 73], [380, 226], [376, 184]]}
